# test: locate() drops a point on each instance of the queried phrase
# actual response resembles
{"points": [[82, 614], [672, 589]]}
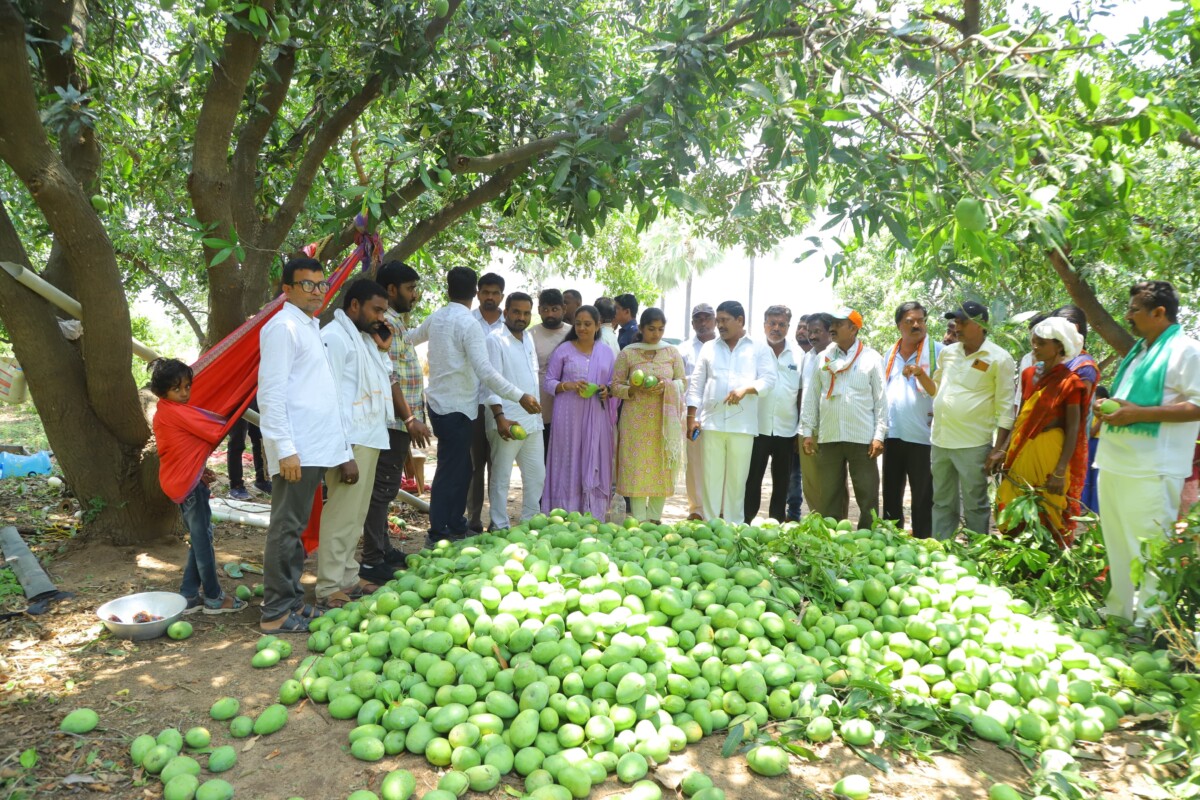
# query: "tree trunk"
{"points": [[1099, 320]]}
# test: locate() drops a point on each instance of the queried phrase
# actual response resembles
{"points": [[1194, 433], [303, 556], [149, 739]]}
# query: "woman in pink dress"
{"points": [[579, 466], [650, 440]]}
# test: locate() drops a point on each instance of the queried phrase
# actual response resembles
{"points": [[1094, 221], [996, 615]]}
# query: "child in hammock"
{"points": [[185, 436]]}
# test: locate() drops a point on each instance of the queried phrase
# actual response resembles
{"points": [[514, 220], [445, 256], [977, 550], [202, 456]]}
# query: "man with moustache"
{"points": [[511, 352], [778, 417], [458, 364], [1146, 444], [704, 329], [303, 436], [356, 343], [910, 392], [844, 420], [819, 337], [733, 371], [490, 319], [547, 335], [380, 559]]}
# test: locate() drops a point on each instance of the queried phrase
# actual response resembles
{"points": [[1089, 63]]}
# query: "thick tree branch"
{"points": [[437, 26], [250, 140], [87, 250], [1083, 296], [1189, 140], [322, 141], [426, 229]]}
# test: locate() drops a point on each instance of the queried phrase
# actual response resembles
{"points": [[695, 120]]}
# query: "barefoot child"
{"points": [[185, 437]]}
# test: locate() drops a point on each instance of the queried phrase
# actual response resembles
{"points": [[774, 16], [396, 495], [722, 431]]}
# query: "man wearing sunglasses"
{"points": [[303, 435]]}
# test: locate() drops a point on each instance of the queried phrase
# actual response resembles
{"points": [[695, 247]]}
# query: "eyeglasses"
{"points": [[308, 286]]}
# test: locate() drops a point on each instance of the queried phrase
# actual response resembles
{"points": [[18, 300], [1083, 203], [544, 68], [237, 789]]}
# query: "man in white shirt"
{"points": [[490, 318], [1146, 444], [722, 397], [458, 362], [511, 353], [704, 329], [972, 405], [906, 450], [820, 337], [547, 336], [356, 343], [844, 420], [778, 418], [303, 435]]}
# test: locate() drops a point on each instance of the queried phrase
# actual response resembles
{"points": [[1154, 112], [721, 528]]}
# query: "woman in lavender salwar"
{"points": [[579, 466]]}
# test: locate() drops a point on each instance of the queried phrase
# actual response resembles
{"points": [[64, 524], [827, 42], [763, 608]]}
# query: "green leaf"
{"points": [[758, 90], [736, 734], [214, 242], [29, 758], [561, 175], [1089, 94], [221, 256], [839, 115], [685, 201]]}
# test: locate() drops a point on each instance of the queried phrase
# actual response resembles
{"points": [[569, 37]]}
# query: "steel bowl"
{"points": [[168, 605]]}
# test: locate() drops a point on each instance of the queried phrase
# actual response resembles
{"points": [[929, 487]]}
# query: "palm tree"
{"points": [[673, 253]]}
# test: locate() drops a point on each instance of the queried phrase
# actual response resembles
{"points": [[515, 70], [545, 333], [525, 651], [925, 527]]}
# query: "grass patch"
{"points": [[22, 425]]}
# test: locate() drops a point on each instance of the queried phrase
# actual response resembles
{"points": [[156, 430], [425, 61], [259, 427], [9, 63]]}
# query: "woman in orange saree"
{"points": [[1048, 446]]}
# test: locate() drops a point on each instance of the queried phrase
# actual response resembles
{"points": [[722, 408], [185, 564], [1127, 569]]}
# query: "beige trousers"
{"points": [[342, 523], [694, 478]]}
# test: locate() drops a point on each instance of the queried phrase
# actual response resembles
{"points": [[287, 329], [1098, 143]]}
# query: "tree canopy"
{"points": [[190, 148]]}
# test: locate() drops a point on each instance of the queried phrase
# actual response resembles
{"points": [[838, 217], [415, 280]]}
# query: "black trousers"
{"points": [[779, 450], [908, 462], [452, 478], [481, 455], [389, 471], [237, 445]]}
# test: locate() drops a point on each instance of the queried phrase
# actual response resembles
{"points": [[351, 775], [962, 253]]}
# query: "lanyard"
{"points": [[833, 374]]}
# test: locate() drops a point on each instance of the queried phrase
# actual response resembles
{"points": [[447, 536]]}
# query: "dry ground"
{"points": [[52, 664]]}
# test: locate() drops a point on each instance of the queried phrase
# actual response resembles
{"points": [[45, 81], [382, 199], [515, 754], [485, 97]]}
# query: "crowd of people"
{"points": [[601, 415]]}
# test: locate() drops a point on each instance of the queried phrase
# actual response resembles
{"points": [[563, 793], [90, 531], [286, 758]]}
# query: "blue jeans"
{"points": [[201, 566], [452, 478], [795, 494]]}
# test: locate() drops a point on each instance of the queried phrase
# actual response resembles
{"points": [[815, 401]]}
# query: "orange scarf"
{"points": [[834, 373]]}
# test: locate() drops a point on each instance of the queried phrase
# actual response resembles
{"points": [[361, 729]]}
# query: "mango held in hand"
{"points": [[589, 390], [517, 432], [637, 377], [1108, 405], [650, 382]]}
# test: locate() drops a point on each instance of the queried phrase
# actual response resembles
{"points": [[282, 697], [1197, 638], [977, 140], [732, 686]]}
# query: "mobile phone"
{"points": [[383, 331], [695, 434]]}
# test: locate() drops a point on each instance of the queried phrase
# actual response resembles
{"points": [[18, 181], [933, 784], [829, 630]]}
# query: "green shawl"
{"points": [[1147, 381]]}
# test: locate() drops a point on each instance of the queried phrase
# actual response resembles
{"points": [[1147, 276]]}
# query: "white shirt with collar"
{"points": [[487, 328], [356, 360], [458, 362], [855, 410], [690, 350], [778, 412], [516, 360], [297, 394], [719, 371], [974, 396]]}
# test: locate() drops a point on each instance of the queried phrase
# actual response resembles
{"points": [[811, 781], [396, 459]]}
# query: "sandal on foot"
{"points": [[361, 589], [292, 623], [228, 605], [335, 600], [307, 611], [194, 604]]}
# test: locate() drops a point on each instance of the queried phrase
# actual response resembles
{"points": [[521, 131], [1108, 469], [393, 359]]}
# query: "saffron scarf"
{"points": [[835, 368], [926, 357], [1146, 384], [185, 436]]}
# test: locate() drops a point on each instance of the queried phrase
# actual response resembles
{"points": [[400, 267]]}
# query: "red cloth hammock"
{"points": [[226, 377]]}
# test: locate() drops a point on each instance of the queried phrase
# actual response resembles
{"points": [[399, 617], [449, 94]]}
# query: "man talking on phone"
{"points": [[356, 342]]}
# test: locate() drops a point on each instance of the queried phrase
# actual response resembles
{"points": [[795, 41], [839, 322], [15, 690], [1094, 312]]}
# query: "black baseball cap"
{"points": [[969, 310]]}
